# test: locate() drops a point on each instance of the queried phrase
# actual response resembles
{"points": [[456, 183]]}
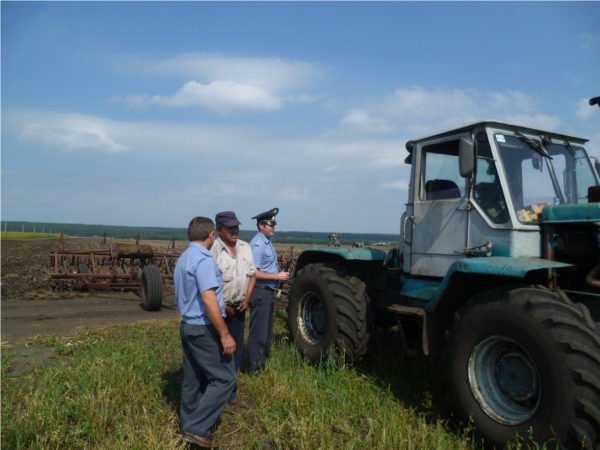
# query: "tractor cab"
{"points": [[480, 190]]}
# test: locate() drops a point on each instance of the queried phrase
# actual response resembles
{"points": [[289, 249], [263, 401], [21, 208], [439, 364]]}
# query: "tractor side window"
{"points": [[487, 190], [583, 175], [441, 179], [573, 171]]}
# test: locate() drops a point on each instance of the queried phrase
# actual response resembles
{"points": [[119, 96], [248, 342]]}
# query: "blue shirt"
{"points": [[196, 271], [265, 258]]}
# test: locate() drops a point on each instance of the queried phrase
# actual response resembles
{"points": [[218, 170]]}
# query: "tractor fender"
{"points": [[338, 256], [467, 277], [364, 263]]}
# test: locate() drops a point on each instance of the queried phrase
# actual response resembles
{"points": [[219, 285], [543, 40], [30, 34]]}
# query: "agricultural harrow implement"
{"points": [[135, 267]]}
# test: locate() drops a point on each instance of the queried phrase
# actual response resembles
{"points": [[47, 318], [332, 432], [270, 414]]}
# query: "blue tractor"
{"points": [[497, 271]]}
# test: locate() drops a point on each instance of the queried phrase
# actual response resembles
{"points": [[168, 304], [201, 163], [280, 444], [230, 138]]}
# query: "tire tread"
{"points": [[350, 300]]}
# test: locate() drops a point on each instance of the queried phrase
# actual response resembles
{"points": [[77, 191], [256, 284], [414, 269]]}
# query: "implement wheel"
{"points": [[526, 361], [82, 268], [152, 288], [328, 310]]}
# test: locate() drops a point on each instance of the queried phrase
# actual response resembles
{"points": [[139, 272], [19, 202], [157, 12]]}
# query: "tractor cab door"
{"points": [[439, 214]]}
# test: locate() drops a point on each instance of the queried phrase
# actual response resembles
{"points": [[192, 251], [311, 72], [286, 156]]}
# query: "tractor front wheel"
{"points": [[328, 310], [526, 361]]}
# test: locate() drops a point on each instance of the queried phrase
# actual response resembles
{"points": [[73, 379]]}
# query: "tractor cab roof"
{"points": [[505, 125]]}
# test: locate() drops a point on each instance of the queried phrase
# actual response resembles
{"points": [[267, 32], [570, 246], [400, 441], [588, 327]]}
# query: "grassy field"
{"points": [[118, 387], [9, 235]]}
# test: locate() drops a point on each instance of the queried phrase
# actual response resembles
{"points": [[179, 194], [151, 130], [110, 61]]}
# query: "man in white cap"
{"points": [[262, 304]]}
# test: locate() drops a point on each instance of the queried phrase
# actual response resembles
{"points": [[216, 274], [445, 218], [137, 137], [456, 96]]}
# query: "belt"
{"points": [[268, 288]]}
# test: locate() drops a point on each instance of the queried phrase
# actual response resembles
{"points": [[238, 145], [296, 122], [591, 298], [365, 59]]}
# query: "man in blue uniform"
{"points": [[208, 366], [262, 303]]}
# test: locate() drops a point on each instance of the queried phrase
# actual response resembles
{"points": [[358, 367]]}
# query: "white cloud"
{"points": [[77, 132], [400, 185], [584, 110], [243, 184], [223, 97], [502, 102], [305, 98], [421, 104], [359, 120], [418, 111], [72, 134], [297, 194], [275, 74], [589, 40], [228, 85], [542, 121], [135, 101], [252, 147], [458, 105], [340, 154]]}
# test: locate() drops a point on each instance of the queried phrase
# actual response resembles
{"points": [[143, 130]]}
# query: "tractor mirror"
{"points": [[537, 163], [597, 166], [466, 157]]}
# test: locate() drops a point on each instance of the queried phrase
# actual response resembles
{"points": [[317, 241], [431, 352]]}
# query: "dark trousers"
{"points": [[262, 307], [235, 325], [208, 378]]}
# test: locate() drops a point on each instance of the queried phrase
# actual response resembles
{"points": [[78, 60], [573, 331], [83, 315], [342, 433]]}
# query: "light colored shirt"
{"points": [[236, 271], [196, 271], [265, 258]]}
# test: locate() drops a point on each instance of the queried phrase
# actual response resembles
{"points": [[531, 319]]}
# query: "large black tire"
{"points": [[525, 358], [328, 310], [152, 288]]}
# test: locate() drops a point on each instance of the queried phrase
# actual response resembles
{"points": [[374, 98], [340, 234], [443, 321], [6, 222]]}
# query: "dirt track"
{"points": [[23, 319], [34, 305]]}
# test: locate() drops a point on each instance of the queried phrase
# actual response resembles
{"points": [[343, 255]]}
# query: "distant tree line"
{"points": [[180, 234]]}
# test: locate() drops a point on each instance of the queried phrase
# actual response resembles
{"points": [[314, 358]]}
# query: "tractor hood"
{"points": [[571, 213]]}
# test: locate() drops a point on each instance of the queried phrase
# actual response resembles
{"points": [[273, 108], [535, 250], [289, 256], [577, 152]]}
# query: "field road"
{"points": [[23, 319]]}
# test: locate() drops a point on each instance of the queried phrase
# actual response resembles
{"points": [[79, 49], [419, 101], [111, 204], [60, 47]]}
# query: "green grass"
{"points": [[9, 235], [119, 387]]}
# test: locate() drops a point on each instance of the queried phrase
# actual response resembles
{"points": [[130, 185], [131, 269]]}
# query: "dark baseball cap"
{"points": [[227, 218]]}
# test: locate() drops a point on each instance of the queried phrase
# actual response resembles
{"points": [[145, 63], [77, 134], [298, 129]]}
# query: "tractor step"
{"points": [[407, 310]]}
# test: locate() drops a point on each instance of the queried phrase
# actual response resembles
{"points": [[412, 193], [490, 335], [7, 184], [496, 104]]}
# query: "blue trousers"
{"points": [[262, 309], [235, 325], [208, 378]]}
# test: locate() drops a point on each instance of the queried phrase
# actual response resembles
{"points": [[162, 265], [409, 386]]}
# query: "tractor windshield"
{"points": [[535, 180]]}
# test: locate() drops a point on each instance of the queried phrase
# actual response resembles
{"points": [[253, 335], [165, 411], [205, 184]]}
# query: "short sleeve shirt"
{"points": [[236, 271], [265, 258], [196, 272]]}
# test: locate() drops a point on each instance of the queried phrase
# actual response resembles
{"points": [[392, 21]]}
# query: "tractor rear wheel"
{"points": [[328, 310], [526, 361], [152, 288]]}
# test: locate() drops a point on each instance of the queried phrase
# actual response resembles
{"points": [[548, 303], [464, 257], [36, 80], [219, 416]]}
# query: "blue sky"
{"points": [[148, 114]]}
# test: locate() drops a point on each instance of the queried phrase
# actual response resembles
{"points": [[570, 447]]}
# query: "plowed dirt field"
{"points": [[33, 304]]}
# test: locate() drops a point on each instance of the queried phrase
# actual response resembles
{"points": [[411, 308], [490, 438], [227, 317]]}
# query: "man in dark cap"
{"points": [[262, 303], [208, 366], [234, 258]]}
